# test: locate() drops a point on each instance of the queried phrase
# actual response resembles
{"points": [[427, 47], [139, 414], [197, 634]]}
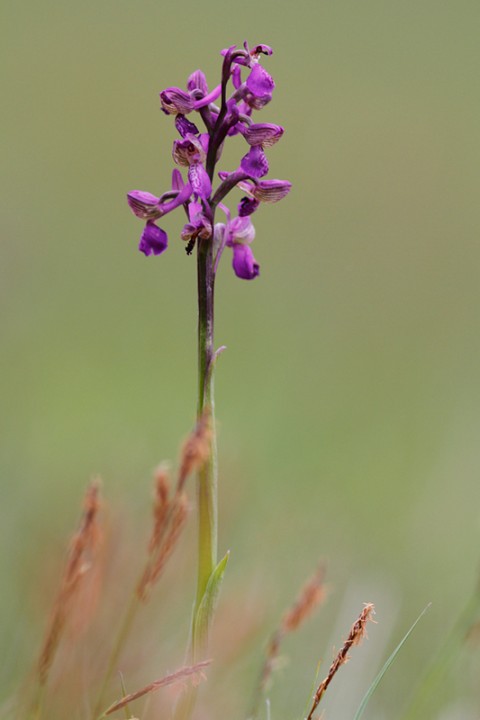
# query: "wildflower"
{"points": [[199, 152], [238, 234], [153, 240]]}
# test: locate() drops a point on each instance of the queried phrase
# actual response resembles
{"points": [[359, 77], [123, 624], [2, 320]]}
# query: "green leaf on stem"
{"points": [[206, 609]]}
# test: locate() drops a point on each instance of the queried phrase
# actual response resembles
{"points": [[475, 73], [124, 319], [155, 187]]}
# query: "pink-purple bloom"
{"points": [[198, 154]]}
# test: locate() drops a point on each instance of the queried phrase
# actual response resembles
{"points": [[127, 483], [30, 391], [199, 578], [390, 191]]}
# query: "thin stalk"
{"points": [[207, 476], [117, 649]]}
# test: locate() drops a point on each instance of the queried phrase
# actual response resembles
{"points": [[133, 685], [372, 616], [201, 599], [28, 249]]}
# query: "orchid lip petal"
{"points": [[255, 162], [259, 82], [244, 263], [153, 241]]}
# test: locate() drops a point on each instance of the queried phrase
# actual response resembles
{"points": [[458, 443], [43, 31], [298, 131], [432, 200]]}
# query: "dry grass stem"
{"points": [[163, 541], [196, 449], [311, 596], [170, 514], [193, 672], [80, 558], [160, 506], [355, 636]]}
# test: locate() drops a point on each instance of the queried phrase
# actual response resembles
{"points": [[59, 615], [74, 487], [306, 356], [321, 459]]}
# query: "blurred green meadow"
{"points": [[348, 399]]}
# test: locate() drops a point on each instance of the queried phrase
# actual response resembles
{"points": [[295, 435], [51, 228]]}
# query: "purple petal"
{"points": [[182, 197], [238, 56], [243, 263], [199, 180], [154, 240], [204, 138], [257, 49], [143, 204], [240, 230], [227, 51], [197, 81], [255, 162], [265, 134], [188, 150], [184, 126], [198, 226], [254, 102], [177, 180], [259, 82], [189, 231], [237, 76], [194, 209], [271, 191], [210, 98], [247, 206], [174, 100]]}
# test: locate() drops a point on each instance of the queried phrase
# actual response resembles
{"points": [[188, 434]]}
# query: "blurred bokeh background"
{"points": [[348, 398]]}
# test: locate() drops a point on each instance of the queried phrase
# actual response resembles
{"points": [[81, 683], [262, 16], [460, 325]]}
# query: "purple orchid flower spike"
{"points": [[199, 151], [205, 118]]}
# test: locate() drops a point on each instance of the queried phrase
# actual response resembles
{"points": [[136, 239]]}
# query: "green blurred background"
{"points": [[348, 399]]}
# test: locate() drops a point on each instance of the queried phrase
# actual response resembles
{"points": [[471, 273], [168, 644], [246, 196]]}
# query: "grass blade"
{"points": [[384, 669]]}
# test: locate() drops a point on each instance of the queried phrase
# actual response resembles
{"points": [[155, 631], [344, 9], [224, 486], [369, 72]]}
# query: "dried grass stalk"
{"points": [[170, 514], [355, 636], [160, 506], [196, 449], [80, 558], [311, 596], [193, 672], [163, 542]]}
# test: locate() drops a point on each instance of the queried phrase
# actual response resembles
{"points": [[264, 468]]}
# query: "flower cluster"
{"points": [[199, 152]]}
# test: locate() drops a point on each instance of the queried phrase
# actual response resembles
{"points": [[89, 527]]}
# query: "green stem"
{"points": [[207, 477]]}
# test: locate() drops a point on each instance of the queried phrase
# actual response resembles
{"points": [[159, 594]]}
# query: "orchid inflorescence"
{"points": [[200, 153]]}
